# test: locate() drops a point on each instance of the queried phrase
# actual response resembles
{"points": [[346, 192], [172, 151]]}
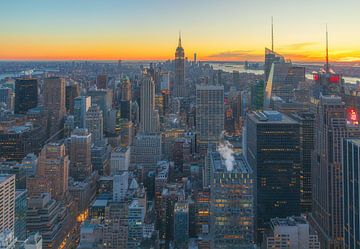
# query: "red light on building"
{"points": [[352, 116], [316, 77], [334, 78]]}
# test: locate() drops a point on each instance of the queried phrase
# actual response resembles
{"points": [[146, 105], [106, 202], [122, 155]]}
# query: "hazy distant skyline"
{"points": [[144, 30]]}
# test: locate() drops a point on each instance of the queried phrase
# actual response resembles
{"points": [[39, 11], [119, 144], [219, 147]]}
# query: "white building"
{"points": [[33, 242], [120, 160], [7, 239], [290, 233]]}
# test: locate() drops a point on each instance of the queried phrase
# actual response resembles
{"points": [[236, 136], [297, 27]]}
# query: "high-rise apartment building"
{"points": [[80, 154], [7, 200], [209, 114], [54, 103], [26, 95], [179, 84], [273, 151]]}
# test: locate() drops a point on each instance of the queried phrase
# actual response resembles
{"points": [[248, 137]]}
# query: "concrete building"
{"points": [[7, 200], [53, 166], [95, 123], [33, 242], [81, 106], [290, 233], [7, 239], [119, 160], [232, 201], [54, 103], [209, 114], [80, 154], [149, 118]]}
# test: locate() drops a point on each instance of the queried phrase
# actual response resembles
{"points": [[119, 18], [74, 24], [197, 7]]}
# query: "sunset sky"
{"points": [[148, 29]]}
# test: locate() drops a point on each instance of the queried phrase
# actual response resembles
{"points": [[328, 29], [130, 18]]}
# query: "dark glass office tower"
{"points": [[26, 95], [273, 151]]}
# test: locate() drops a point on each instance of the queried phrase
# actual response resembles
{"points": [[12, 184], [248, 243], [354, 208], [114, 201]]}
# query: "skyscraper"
{"points": [[26, 95], [270, 58], [231, 201], [327, 169], [148, 116], [307, 141], [72, 91], [81, 106], [273, 151], [209, 114], [54, 103], [179, 84], [7, 200], [351, 163], [181, 225], [53, 166], [95, 123], [80, 154]]}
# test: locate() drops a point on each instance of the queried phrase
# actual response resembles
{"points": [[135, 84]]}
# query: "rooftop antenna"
{"points": [[272, 34], [327, 51], [179, 38]]}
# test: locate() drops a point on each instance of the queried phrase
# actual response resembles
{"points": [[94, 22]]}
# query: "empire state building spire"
{"points": [[179, 89]]}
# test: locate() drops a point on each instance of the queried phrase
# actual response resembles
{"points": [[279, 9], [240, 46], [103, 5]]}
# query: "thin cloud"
{"points": [[299, 46], [235, 54]]}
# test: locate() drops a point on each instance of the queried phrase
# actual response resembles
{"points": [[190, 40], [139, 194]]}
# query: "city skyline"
{"points": [[140, 30]]}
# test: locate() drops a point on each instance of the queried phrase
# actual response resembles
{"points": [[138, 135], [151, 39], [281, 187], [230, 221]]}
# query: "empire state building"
{"points": [[179, 87]]}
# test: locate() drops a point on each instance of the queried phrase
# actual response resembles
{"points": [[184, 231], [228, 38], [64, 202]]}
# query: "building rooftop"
{"points": [[273, 117], [240, 165], [289, 221]]}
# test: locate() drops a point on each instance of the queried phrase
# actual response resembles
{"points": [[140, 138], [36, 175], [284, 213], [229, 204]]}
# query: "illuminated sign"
{"points": [[352, 116], [334, 78], [316, 77]]}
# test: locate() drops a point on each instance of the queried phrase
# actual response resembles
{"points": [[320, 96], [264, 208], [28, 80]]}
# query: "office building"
{"points": [[95, 123], [290, 232], [351, 204], [54, 103], [181, 225], [136, 216], [273, 151], [257, 95], [7, 200], [116, 225], [307, 140], [45, 215], [80, 154], [119, 160], [72, 91], [101, 81], [34, 241], [102, 98], [149, 119], [209, 114], [81, 106], [333, 124], [146, 151], [7, 239], [283, 78], [53, 166], [120, 186], [26, 95], [20, 214], [7, 97], [231, 200], [270, 57], [179, 88]]}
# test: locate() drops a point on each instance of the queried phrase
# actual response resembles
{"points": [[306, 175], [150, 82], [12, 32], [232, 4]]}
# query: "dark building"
{"points": [[307, 140], [257, 95], [179, 88], [273, 150], [71, 92], [270, 58], [20, 214], [26, 95], [101, 81]]}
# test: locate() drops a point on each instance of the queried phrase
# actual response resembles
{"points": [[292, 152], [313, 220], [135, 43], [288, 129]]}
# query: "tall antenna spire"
{"points": [[272, 34], [179, 38], [327, 51]]}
